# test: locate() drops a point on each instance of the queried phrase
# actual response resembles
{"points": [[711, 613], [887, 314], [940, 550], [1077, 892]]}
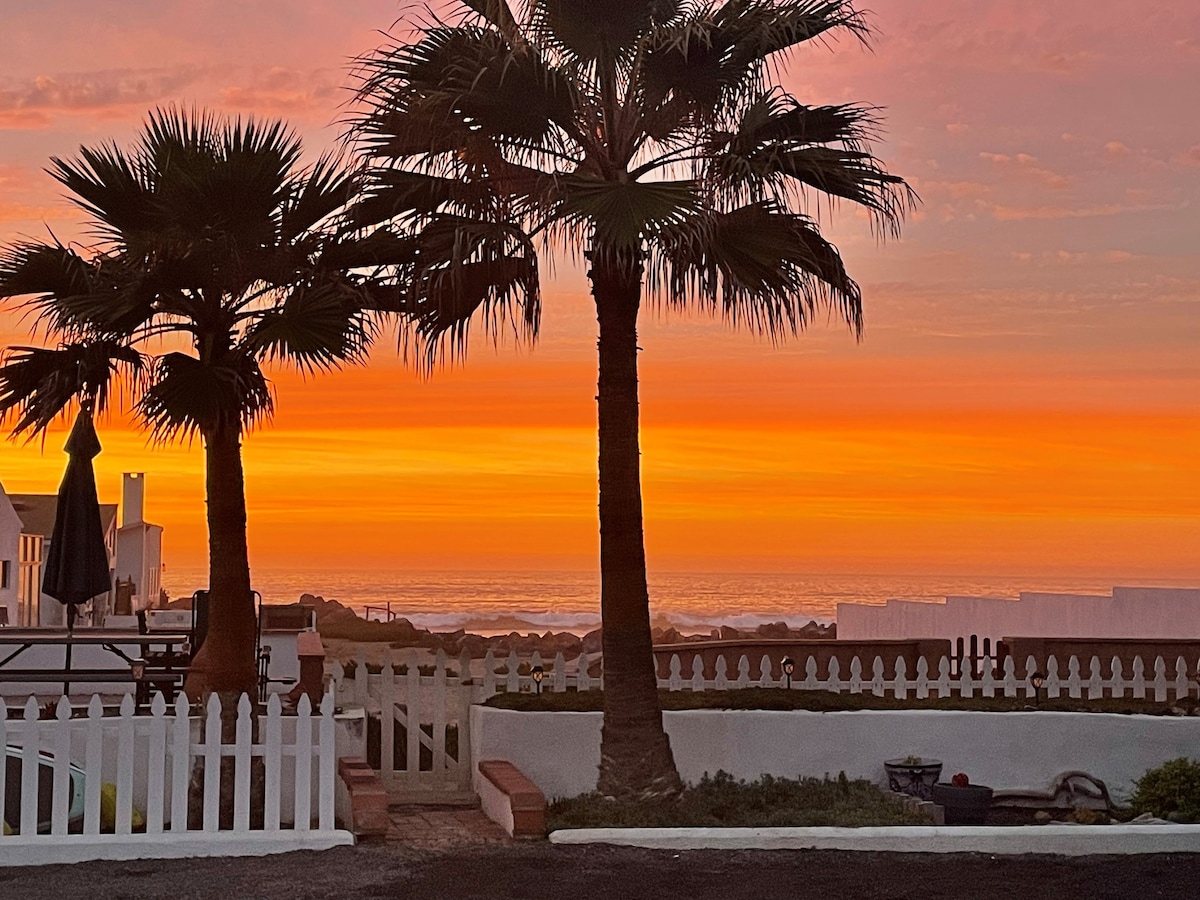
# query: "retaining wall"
{"points": [[560, 752]]}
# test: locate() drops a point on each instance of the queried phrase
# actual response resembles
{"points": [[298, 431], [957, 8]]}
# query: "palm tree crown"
{"points": [[646, 130], [650, 137], [213, 256]]}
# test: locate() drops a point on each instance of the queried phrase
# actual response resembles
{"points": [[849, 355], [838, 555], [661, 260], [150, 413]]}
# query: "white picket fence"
{"points": [[149, 761], [433, 759], [1155, 682], [418, 725]]}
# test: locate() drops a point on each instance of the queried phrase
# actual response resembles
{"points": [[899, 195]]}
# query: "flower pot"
{"points": [[967, 804], [913, 778]]}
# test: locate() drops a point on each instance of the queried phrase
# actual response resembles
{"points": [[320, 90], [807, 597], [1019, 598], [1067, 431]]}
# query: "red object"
{"points": [[960, 780]]}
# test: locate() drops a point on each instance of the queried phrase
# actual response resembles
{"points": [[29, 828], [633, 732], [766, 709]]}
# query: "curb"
{"points": [[1062, 840]]}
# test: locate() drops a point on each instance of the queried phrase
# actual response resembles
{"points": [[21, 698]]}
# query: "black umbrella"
{"points": [[77, 563]]}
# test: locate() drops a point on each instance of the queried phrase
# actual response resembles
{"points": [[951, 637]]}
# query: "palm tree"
{"points": [[650, 137], [212, 258]]}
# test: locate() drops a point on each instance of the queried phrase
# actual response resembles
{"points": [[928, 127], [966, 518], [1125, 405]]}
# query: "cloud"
{"points": [[1191, 157], [1029, 167], [1020, 213], [957, 128], [32, 103], [1116, 150]]}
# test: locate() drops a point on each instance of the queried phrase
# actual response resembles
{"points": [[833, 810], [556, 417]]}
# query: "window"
{"points": [[5, 573]]}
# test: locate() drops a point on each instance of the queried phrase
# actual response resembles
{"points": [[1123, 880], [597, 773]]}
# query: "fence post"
{"points": [[387, 721], [62, 767], [743, 679], [29, 767], [559, 683], [900, 679], [241, 766], [922, 684], [437, 752], [721, 676], [489, 676], [272, 751], [302, 812], [181, 758], [697, 673], [834, 681], [212, 764], [156, 774], [583, 680], [326, 765], [1139, 679]]}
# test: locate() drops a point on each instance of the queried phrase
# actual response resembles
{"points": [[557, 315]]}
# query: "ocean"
{"points": [[692, 602]]}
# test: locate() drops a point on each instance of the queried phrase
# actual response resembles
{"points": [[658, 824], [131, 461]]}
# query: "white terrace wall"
{"points": [[560, 752], [1163, 613]]}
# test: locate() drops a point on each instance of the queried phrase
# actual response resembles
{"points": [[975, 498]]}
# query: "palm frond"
{"points": [[584, 30], [319, 326], [37, 385], [187, 397], [621, 214], [758, 265]]}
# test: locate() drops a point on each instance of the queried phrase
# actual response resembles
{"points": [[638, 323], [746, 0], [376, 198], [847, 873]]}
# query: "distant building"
{"points": [[139, 550], [37, 513], [134, 554], [12, 566]]}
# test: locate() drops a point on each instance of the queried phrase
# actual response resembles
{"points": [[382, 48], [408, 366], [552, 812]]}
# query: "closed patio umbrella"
{"points": [[77, 562]]}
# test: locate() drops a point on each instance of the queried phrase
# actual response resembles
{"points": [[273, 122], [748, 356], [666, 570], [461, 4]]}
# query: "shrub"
{"points": [[1172, 791], [722, 801]]}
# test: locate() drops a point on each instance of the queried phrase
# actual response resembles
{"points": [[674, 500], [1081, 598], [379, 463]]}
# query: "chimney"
{"points": [[133, 498]]}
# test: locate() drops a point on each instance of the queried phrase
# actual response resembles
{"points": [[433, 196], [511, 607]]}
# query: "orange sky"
{"points": [[1024, 401]]}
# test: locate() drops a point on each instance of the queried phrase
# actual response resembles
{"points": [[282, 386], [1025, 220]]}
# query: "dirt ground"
{"points": [[544, 871]]}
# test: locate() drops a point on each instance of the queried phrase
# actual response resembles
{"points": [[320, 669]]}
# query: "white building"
{"points": [[139, 549], [1150, 613], [37, 513], [11, 568], [134, 553]]}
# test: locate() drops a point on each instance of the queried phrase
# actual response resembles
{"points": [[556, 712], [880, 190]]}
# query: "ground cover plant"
{"points": [[722, 801], [1172, 791], [825, 701]]}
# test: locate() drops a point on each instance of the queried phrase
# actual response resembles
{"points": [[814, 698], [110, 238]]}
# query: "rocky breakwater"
{"points": [[337, 622]]}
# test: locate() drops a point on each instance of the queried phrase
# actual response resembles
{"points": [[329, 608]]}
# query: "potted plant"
{"points": [[964, 803], [913, 775]]}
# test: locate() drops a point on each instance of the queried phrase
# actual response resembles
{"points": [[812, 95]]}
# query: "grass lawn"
{"points": [[720, 801], [824, 701]]}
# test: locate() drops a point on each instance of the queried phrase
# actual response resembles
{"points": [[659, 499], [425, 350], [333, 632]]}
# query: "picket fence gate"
{"points": [[149, 761]]}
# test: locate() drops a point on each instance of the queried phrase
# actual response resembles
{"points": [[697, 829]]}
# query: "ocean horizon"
{"points": [[692, 602]]}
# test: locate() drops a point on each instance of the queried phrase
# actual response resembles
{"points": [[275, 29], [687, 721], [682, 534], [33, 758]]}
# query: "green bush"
{"points": [[723, 801], [1172, 791]]}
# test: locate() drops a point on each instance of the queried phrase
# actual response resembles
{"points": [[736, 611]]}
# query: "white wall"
{"points": [[560, 752], [10, 536], [1167, 613]]}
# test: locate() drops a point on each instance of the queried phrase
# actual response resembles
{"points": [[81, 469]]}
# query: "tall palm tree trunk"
{"points": [[225, 664], [635, 754], [226, 661]]}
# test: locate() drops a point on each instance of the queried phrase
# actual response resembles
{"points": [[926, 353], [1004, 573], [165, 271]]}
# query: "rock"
{"points": [[1088, 817], [1041, 817], [728, 633], [774, 631], [593, 642], [1148, 819]]}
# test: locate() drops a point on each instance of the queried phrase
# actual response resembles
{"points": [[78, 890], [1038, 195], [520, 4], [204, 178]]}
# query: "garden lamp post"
{"points": [[1037, 679], [538, 673], [789, 666]]}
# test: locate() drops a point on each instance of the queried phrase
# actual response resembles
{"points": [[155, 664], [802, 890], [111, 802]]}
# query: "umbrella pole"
{"points": [[70, 634]]}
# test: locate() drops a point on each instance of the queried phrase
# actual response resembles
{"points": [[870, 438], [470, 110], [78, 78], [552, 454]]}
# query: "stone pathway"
{"points": [[426, 827]]}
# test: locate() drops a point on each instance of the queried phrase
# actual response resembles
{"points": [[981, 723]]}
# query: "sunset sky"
{"points": [[1026, 398]]}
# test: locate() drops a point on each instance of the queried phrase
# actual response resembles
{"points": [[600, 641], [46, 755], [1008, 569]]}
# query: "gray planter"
{"points": [[967, 804], [914, 779]]}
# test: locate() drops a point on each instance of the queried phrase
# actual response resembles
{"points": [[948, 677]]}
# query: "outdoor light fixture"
{"points": [[1037, 679], [789, 666], [137, 668], [538, 672]]}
